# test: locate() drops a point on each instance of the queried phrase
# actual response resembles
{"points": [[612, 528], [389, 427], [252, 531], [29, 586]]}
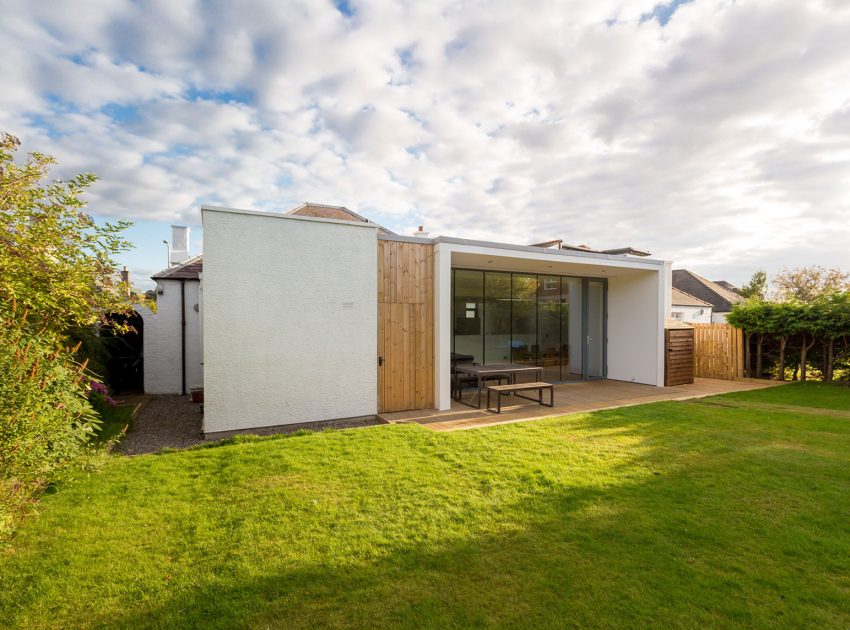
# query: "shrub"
{"points": [[45, 417]]}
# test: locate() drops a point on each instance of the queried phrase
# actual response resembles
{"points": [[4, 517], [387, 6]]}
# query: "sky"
{"points": [[714, 133]]}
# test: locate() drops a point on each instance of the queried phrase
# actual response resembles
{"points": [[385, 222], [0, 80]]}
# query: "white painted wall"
{"points": [[691, 314], [636, 305], [162, 338], [718, 318], [442, 326], [290, 319]]}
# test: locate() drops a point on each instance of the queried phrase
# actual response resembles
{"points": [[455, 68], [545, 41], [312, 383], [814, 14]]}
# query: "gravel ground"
{"points": [[174, 422], [163, 421]]}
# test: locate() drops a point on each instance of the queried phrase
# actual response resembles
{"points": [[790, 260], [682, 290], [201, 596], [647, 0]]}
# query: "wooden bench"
{"points": [[520, 387]]}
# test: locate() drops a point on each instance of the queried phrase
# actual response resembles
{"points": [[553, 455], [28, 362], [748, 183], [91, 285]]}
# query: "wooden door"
{"points": [[678, 356], [405, 326]]}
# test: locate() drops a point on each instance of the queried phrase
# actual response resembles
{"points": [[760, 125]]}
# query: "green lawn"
{"points": [[730, 511]]}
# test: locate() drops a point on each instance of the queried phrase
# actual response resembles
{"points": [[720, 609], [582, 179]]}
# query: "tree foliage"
{"points": [[756, 287], [807, 284], [56, 263], [824, 319], [57, 273]]}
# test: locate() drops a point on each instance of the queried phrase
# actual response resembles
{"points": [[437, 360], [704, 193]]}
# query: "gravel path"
{"points": [[163, 421], [173, 422]]}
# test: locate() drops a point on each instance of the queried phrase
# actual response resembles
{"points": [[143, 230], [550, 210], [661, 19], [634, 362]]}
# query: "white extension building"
{"points": [[329, 316]]}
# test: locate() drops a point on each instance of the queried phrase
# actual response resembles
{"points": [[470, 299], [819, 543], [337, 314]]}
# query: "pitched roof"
{"points": [[720, 298], [187, 270], [322, 211], [680, 298], [727, 285]]}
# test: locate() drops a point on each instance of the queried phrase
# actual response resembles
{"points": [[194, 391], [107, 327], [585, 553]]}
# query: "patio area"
{"points": [[570, 398]]}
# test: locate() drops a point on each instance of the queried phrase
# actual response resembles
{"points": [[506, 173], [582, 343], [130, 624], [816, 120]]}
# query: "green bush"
{"points": [[45, 417]]}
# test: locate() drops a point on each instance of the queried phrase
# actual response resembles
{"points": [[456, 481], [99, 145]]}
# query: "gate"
{"points": [[718, 351]]}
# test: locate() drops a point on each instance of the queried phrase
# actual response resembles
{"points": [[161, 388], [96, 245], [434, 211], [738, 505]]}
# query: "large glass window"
{"points": [[497, 317], [468, 313], [524, 319], [549, 326], [556, 322]]}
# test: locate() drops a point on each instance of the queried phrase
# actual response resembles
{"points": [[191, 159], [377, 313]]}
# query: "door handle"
{"points": [[380, 361], [588, 340]]}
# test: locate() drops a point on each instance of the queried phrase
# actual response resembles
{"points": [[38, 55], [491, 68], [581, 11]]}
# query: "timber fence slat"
{"points": [[718, 351]]}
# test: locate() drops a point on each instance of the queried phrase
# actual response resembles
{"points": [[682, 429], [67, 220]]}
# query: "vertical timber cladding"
{"points": [[678, 356], [405, 326]]}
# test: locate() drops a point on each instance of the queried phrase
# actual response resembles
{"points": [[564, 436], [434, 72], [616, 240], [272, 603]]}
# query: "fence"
{"points": [[718, 351]]}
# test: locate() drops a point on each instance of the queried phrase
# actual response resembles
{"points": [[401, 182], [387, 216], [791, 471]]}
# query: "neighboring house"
{"points": [[721, 299], [727, 285], [315, 315], [173, 358], [690, 309]]}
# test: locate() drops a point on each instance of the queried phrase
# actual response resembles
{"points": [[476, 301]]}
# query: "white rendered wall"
{"points": [[718, 318], [290, 320], [636, 305], [161, 340], [442, 326], [692, 314]]}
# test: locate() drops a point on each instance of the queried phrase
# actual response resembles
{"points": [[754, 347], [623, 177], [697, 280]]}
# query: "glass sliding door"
{"points": [[549, 326], [524, 345], [468, 313], [572, 342], [595, 329], [497, 317], [555, 322]]}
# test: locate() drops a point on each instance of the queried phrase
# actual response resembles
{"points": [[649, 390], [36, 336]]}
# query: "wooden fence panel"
{"points": [[718, 351]]}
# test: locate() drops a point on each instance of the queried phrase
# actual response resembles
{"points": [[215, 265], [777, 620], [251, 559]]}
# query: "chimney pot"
{"points": [[179, 244]]}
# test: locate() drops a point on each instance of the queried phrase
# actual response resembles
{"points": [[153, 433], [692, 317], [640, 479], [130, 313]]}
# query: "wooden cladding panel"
{"points": [[718, 351], [405, 326], [678, 357]]}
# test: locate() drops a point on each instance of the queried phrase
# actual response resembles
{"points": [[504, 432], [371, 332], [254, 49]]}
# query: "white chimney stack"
{"points": [[421, 232], [179, 244]]}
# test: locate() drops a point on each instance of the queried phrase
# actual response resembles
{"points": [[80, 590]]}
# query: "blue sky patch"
{"points": [[663, 12], [344, 7]]}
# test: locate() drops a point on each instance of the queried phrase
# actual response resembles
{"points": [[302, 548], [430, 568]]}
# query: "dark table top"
{"points": [[495, 368]]}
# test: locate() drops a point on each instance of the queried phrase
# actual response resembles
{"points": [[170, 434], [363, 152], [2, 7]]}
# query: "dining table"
{"points": [[481, 372]]}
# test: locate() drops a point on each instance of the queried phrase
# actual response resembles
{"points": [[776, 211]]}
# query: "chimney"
{"points": [[421, 232], [179, 244], [125, 278]]}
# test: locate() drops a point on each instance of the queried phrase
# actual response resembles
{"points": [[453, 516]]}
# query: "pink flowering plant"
{"points": [[99, 396]]}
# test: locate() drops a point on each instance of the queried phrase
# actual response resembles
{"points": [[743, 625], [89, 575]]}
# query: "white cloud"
{"points": [[720, 140]]}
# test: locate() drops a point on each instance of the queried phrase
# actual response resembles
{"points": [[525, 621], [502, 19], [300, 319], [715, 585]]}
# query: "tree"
{"points": [[807, 284], [782, 322], [832, 323], [56, 263], [56, 272], [754, 318], [756, 287]]}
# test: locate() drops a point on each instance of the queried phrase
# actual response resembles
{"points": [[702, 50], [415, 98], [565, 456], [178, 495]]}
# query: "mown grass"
{"points": [[681, 514]]}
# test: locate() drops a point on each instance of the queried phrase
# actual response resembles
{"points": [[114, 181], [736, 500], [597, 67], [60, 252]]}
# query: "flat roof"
{"points": [[566, 253]]}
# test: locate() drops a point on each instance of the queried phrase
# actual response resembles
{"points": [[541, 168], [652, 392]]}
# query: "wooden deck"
{"points": [[570, 398]]}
